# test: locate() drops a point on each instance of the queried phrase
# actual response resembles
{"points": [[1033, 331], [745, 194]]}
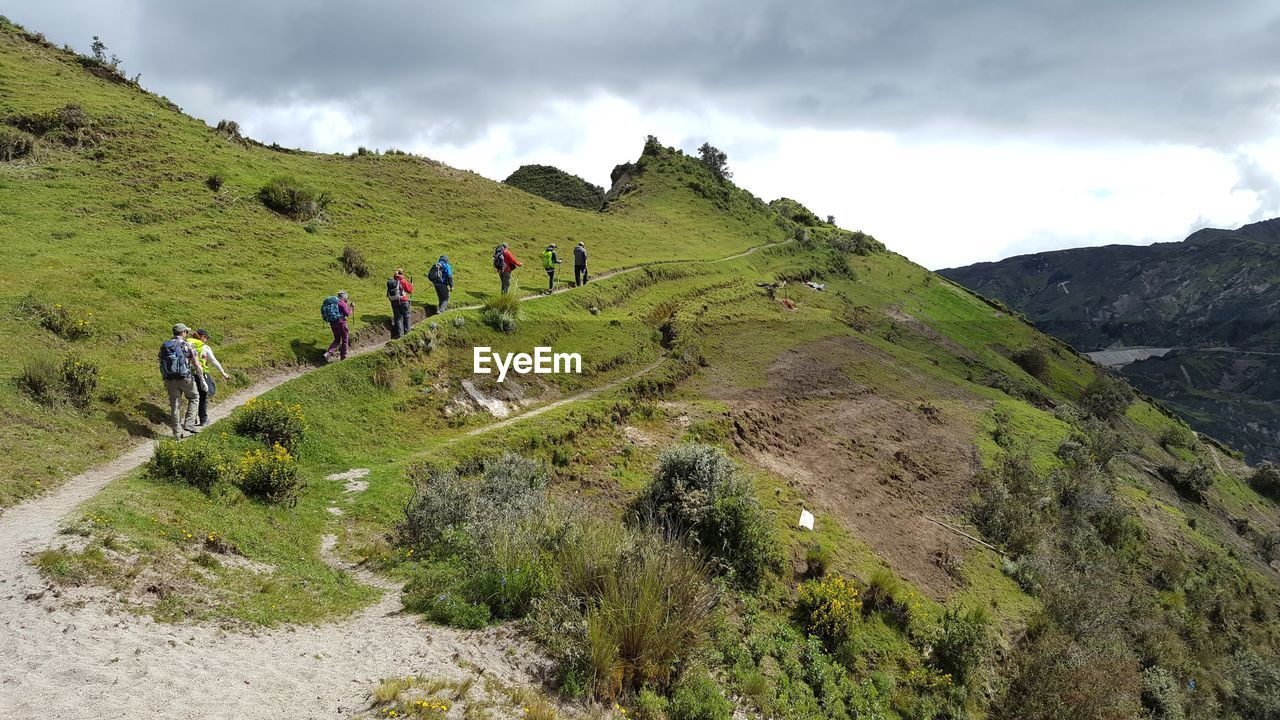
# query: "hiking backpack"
{"points": [[499, 260], [174, 363], [394, 291], [330, 310], [549, 260], [436, 275]]}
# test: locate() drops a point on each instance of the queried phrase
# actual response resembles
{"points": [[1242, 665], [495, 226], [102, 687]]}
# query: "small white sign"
{"points": [[806, 519]]}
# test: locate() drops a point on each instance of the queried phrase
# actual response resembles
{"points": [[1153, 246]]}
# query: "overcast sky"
{"points": [[954, 130]]}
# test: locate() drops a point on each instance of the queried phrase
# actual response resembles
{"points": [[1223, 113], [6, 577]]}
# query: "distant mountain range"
{"points": [[1208, 309]]}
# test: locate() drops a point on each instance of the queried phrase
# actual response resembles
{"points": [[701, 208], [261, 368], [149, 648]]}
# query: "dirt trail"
{"points": [[94, 661]]}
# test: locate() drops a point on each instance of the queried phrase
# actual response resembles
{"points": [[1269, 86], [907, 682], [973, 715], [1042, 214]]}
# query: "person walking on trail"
{"points": [[505, 262], [441, 276], [580, 265], [179, 367], [335, 310], [549, 263], [398, 291], [204, 352]]}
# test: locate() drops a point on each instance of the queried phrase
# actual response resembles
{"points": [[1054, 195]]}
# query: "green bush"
{"points": [[1266, 480], [699, 698], [49, 381], [290, 198], [1033, 361], [1161, 696], [272, 476], [697, 493], [78, 378], [1178, 436], [1107, 397], [830, 609], [501, 312], [1055, 677], [353, 262], [272, 422], [651, 706], [1257, 682], [447, 608], [1191, 480], [15, 143], [57, 318], [964, 645], [214, 182], [198, 464], [1009, 507]]}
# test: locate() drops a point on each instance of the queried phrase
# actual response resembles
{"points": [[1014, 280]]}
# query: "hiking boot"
{"points": [[191, 429]]}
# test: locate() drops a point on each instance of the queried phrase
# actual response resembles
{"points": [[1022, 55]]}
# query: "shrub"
{"points": [[1191, 481], [1010, 507], [448, 508], [290, 198], [1033, 361], [198, 464], [1160, 694], [830, 609], [1178, 436], [698, 698], [272, 422], [651, 706], [697, 493], [447, 608], [1107, 397], [501, 312], [78, 379], [1055, 677], [715, 160], [57, 319], [230, 128], [15, 143], [964, 644], [354, 263], [214, 182], [271, 476], [1266, 480]]}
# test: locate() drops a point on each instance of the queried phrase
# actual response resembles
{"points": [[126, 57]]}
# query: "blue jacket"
{"points": [[448, 272]]}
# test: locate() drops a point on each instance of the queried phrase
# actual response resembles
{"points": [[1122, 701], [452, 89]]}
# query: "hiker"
{"points": [[505, 262], [335, 310], [580, 265], [549, 263], [441, 276], [178, 363], [204, 352], [398, 291]]}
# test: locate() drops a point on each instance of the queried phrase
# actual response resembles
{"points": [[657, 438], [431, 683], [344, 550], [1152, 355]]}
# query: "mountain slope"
{"points": [[999, 532], [1214, 297]]}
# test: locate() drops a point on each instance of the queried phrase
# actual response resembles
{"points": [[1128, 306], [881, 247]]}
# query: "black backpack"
{"points": [[499, 261], [436, 275]]}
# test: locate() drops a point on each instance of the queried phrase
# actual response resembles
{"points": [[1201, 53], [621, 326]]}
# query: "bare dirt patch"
{"points": [[874, 462]]}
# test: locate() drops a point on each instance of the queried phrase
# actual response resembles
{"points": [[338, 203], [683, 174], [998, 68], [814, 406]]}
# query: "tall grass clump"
{"points": [[697, 493], [290, 198], [272, 422], [15, 143], [501, 312]]}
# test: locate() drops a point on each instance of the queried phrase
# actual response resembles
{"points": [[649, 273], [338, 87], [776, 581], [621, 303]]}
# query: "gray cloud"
{"points": [[1155, 70]]}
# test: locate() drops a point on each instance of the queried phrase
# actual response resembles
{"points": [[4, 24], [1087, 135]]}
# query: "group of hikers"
{"points": [[184, 365], [337, 308], [185, 359]]}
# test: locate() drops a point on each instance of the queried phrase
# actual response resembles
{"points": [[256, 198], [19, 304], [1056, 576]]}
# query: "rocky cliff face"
{"points": [[1210, 296]]}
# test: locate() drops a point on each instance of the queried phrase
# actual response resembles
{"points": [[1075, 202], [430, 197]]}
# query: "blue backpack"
{"points": [[330, 311], [173, 360]]}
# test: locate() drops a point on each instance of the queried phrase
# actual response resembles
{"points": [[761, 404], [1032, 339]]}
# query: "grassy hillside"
{"points": [[123, 230], [1000, 532]]}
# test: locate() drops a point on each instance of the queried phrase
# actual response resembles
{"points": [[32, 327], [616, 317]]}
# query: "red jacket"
{"points": [[406, 287], [511, 262]]}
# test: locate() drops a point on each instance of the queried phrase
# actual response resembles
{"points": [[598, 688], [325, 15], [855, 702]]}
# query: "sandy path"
{"points": [[92, 661]]}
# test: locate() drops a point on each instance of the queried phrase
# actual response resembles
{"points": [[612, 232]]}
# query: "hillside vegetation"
{"points": [[1000, 531], [556, 185], [1214, 298]]}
